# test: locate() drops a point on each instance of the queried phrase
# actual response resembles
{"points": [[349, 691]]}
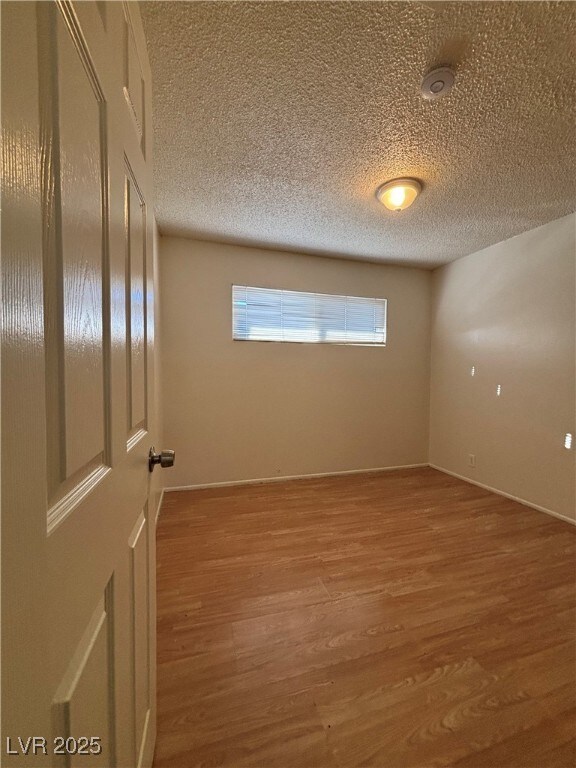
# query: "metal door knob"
{"points": [[164, 458]]}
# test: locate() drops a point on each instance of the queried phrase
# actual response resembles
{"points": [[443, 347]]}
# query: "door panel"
{"points": [[84, 701], [135, 303], [78, 417], [81, 131], [75, 242], [140, 619], [134, 85]]}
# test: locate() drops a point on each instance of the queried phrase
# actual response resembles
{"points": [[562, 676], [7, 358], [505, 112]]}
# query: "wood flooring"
{"points": [[399, 619]]}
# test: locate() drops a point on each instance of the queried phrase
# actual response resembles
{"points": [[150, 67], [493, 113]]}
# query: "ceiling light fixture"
{"points": [[398, 194]]}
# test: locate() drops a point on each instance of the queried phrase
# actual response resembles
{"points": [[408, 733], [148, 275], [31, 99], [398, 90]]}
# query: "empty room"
{"points": [[288, 384]]}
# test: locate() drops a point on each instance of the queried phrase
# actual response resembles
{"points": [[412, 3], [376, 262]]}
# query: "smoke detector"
{"points": [[437, 83]]}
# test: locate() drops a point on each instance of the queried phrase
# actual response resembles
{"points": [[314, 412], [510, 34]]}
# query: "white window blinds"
{"points": [[270, 314]]}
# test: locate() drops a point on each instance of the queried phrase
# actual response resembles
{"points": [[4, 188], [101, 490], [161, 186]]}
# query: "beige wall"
{"points": [[508, 310], [246, 410]]}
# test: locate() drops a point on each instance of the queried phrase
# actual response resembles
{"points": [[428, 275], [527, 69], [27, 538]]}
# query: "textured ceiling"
{"points": [[275, 122]]}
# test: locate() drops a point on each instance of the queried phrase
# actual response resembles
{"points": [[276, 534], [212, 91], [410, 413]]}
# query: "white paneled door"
{"points": [[78, 674]]}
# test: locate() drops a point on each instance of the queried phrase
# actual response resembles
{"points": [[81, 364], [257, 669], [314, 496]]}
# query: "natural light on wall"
{"points": [[271, 314]]}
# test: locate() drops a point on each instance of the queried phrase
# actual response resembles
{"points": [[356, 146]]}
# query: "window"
{"points": [[270, 314]]}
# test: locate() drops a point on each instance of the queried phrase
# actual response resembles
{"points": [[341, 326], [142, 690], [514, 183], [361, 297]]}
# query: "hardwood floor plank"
{"points": [[543, 745], [399, 619], [247, 734], [432, 717]]}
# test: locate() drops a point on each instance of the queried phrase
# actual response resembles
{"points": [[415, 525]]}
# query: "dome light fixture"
{"points": [[398, 194]]}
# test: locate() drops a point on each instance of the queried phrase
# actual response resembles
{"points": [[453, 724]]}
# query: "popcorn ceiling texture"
{"points": [[275, 122]]}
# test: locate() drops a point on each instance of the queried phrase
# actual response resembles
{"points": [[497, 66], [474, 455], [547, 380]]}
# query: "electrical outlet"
{"points": [[471, 459]]}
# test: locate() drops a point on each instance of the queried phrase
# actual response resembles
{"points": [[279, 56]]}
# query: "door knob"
{"points": [[164, 458]]}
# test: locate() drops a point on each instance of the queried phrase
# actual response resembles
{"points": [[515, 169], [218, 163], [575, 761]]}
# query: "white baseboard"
{"points": [[262, 480], [527, 503], [258, 481]]}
